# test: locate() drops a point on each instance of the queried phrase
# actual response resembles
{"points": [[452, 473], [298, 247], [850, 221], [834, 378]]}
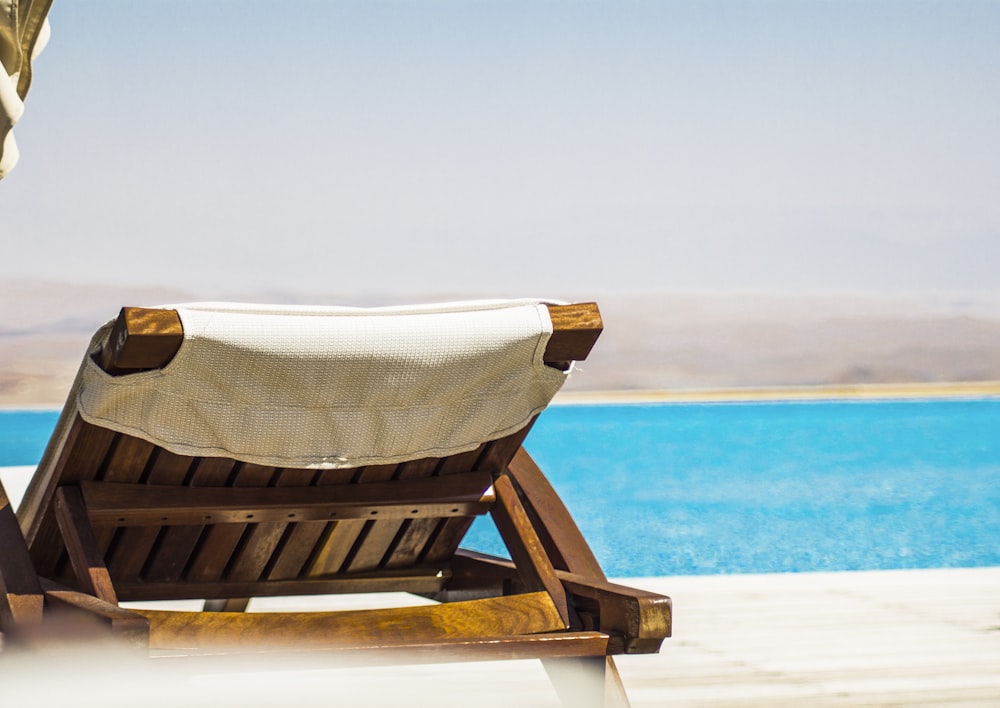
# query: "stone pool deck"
{"points": [[881, 638], [888, 638]]}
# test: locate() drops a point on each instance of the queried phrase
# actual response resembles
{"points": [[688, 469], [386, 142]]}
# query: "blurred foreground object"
{"points": [[24, 31]]}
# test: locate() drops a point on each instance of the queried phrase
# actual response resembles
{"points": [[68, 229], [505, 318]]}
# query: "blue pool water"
{"points": [[672, 489]]}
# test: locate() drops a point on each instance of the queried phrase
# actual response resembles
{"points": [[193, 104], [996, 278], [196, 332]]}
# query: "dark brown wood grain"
{"points": [[176, 545], [20, 592], [80, 456], [303, 540], [218, 546], [140, 505], [258, 540], [131, 549], [86, 558]]}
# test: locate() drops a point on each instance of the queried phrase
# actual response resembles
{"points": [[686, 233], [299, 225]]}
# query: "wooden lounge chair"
{"points": [[113, 517]]}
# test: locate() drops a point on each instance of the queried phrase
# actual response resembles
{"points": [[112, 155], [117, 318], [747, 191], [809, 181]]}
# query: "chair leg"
{"points": [[614, 689], [587, 682], [21, 597], [232, 604]]}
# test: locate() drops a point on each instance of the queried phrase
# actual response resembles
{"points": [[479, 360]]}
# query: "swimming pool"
{"points": [[668, 489]]}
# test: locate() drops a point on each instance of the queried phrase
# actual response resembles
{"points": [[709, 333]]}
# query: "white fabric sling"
{"points": [[334, 387]]}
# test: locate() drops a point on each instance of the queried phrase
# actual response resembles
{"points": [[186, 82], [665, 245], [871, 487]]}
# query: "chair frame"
{"points": [[109, 517]]}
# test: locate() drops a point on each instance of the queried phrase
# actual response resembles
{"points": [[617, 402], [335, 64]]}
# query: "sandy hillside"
{"points": [[653, 341]]}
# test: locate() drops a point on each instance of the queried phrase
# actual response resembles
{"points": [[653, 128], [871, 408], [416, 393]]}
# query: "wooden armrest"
{"points": [[643, 618], [144, 338], [637, 620]]}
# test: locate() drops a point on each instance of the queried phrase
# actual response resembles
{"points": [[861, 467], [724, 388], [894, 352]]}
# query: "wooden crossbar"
{"points": [[566, 645], [531, 613], [418, 580], [110, 503]]}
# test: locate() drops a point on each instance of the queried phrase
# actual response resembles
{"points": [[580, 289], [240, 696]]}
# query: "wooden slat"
{"points": [[443, 538], [480, 619], [494, 458], [346, 538], [404, 548], [536, 646], [220, 541], [176, 544], [80, 457], [131, 550], [375, 538], [139, 505], [416, 580], [126, 462], [260, 540], [21, 597], [88, 562], [300, 541], [70, 432], [333, 547]]}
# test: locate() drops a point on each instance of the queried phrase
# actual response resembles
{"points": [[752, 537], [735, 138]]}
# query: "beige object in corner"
{"points": [[24, 31]]}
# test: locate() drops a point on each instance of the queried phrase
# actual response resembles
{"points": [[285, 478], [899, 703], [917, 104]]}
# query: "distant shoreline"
{"points": [[886, 391], [893, 391]]}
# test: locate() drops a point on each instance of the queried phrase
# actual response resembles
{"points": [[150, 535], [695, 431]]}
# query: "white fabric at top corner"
{"points": [[16, 54], [334, 387]]}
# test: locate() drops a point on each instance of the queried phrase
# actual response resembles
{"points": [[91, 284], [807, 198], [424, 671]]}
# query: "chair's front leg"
{"points": [[21, 598], [230, 604], [587, 682]]}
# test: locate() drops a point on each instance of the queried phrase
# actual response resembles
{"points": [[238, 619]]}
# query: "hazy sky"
{"points": [[507, 147]]}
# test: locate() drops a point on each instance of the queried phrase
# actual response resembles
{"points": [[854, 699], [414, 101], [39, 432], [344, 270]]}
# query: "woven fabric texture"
{"points": [[334, 387]]}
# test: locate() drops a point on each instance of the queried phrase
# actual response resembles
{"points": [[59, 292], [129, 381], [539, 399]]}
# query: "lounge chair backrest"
{"points": [[168, 525]]}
